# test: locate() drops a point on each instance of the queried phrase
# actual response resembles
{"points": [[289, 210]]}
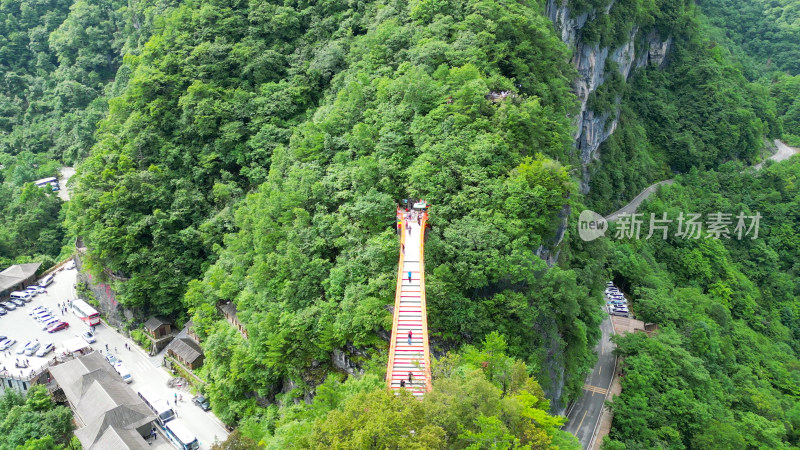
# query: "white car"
{"points": [[46, 348], [49, 323], [89, 337], [31, 348], [35, 290], [22, 349], [43, 317], [70, 265], [32, 311], [7, 344]]}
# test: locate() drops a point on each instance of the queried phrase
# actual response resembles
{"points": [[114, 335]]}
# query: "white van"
{"points": [[124, 373], [21, 295], [46, 280]]}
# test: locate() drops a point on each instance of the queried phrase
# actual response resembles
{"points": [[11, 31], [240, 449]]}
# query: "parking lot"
{"points": [[145, 370], [19, 325], [616, 302]]}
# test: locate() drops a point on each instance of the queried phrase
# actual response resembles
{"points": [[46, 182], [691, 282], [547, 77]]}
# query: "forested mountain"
{"points": [[722, 371], [255, 152], [373, 103], [764, 35], [58, 63]]}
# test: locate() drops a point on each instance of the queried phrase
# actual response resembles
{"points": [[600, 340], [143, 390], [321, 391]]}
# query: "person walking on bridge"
{"points": [[409, 337], [409, 277]]}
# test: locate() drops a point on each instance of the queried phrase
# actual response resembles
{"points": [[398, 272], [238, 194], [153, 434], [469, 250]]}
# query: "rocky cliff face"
{"points": [[590, 59], [639, 50]]}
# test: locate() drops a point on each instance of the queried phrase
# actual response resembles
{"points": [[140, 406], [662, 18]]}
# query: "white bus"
{"points": [[85, 312], [181, 437], [162, 411], [52, 181]]}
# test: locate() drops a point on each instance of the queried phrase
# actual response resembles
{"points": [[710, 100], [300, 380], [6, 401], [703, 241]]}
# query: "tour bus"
{"points": [[52, 181], [86, 313], [162, 411], [181, 438]]}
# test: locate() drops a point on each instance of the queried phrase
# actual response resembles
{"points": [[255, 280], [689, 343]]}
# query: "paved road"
{"points": [[630, 208], [63, 179], [205, 426], [584, 413], [784, 152]]}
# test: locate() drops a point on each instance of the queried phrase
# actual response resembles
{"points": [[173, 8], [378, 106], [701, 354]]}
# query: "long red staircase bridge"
{"points": [[409, 354]]}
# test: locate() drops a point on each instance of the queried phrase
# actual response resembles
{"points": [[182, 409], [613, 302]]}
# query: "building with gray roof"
{"points": [[17, 278], [106, 409]]}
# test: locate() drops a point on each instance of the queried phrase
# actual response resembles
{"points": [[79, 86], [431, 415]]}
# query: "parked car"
{"points": [[3, 312], [58, 327], [202, 402], [32, 311], [8, 306], [22, 349], [46, 348], [43, 317], [7, 344], [31, 348], [123, 372], [25, 296], [46, 280], [35, 290], [88, 337], [112, 359], [50, 323], [70, 265], [18, 302]]}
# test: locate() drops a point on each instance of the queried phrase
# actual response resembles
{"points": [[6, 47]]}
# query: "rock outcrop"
{"points": [[641, 48], [590, 59]]}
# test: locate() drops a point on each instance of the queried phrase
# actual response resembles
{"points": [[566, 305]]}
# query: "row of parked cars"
{"points": [[47, 318], [31, 348], [116, 363], [20, 298], [615, 300]]}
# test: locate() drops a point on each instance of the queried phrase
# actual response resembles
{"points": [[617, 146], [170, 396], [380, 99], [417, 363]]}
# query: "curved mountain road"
{"points": [[630, 208], [784, 152], [585, 412]]}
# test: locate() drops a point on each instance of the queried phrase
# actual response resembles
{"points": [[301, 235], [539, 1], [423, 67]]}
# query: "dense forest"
{"points": [[722, 371], [764, 36], [58, 60], [255, 152], [35, 421]]}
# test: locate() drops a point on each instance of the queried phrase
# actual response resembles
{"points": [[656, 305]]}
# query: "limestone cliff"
{"points": [[641, 49]]}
